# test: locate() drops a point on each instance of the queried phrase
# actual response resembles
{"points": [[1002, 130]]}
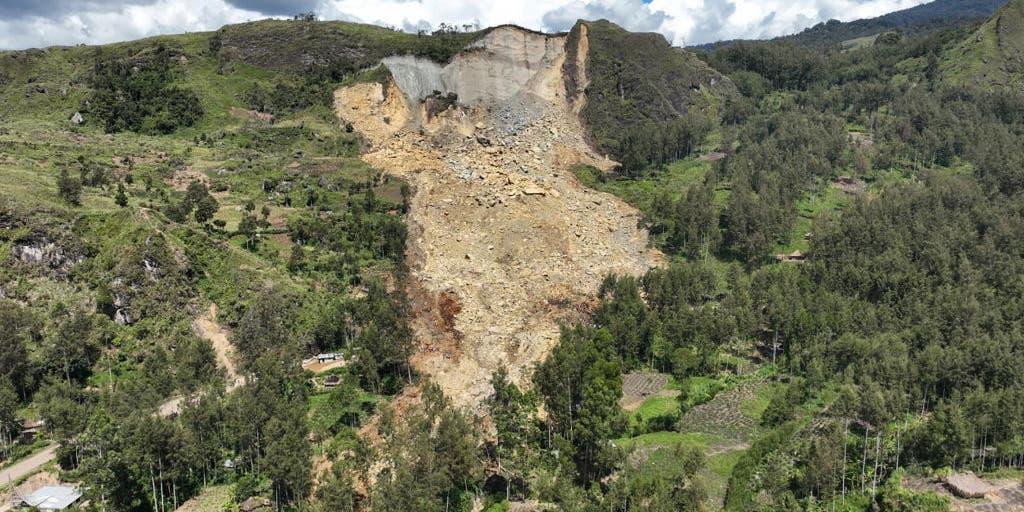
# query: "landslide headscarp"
{"points": [[504, 242]]}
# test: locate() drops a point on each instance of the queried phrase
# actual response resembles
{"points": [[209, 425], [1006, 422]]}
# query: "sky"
{"points": [[40, 23]]}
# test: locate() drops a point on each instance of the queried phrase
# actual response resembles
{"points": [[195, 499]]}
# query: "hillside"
{"points": [[198, 214], [330, 266], [993, 57], [918, 20], [638, 87]]}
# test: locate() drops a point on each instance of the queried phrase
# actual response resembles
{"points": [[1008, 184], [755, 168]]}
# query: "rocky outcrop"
{"points": [[45, 253], [504, 242]]}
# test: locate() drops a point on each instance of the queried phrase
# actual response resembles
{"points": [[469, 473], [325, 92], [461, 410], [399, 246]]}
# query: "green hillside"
{"points": [[993, 57], [142, 183], [647, 102], [920, 20]]}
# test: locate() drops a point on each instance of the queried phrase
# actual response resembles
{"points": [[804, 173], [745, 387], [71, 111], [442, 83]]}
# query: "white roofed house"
{"points": [[51, 497]]}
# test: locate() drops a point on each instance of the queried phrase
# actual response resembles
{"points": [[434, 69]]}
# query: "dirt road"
{"points": [[27, 466]]}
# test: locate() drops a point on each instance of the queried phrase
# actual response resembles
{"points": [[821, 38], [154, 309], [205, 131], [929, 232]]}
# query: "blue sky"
{"points": [[37, 23]]}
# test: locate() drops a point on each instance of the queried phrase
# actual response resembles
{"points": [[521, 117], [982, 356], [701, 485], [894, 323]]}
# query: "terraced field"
{"points": [[638, 387], [725, 414]]}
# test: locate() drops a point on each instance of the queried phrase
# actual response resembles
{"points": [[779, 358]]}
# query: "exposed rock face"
{"points": [[43, 253], [491, 70], [504, 242]]}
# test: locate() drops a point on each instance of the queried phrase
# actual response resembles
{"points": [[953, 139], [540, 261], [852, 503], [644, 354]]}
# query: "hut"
{"points": [[328, 356], [30, 429], [796, 256], [331, 381], [967, 485]]}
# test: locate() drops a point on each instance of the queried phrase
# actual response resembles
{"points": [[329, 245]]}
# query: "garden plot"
{"points": [[638, 387], [723, 414]]}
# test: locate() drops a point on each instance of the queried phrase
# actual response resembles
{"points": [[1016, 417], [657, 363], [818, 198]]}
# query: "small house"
{"points": [[796, 256], [30, 429], [51, 497], [328, 356]]}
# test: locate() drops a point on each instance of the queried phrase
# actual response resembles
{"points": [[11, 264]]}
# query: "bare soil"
{"points": [[504, 242]]}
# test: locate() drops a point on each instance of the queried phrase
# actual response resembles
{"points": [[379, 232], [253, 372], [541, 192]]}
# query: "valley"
{"points": [[304, 265]]}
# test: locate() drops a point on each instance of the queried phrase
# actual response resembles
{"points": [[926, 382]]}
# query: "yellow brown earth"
{"points": [[504, 242]]}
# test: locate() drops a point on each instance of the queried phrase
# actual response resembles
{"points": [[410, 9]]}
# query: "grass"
{"points": [[755, 407], [675, 179], [811, 207], [697, 440], [657, 406], [213, 498]]}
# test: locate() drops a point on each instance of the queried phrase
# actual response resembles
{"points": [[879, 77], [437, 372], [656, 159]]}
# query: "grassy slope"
{"points": [[992, 57]]}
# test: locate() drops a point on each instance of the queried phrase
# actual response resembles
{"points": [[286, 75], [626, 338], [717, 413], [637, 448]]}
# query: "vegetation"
{"points": [[647, 103], [890, 348], [915, 21], [903, 290]]}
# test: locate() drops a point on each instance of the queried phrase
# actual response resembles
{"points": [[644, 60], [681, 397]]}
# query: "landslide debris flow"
{"points": [[504, 242]]}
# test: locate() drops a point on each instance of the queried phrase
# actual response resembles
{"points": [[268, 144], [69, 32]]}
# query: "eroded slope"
{"points": [[504, 241]]}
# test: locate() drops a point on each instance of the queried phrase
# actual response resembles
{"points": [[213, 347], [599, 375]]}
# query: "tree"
{"points": [[206, 208], [68, 188], [512, 413], [287, 459], [121, 198], [14, 362], [581, 384], [9, 426], [430, 456], [247, 228], [264, 327], [946, 438], [624, 314]]}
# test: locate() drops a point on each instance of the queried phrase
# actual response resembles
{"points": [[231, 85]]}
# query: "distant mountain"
{"points": [[932, 16], [993, 56]]}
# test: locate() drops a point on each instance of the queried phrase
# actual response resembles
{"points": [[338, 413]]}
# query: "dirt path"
{"points": [[503, 242], [27, 466], [206, 326]]}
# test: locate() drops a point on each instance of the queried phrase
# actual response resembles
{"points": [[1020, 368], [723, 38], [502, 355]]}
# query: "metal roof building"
{"points": [[52, 498]]}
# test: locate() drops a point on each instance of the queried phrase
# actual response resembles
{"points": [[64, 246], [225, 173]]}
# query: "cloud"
{"points": [[276, 7], [35, 23], [21, 8], [117, 21], [635, 15]]}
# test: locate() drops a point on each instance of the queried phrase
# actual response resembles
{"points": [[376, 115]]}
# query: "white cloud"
{"points": [[681, 21], [105, 24]]}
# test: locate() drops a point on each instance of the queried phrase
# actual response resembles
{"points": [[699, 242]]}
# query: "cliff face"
{"points": [[489, 72], [504, 242]]}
